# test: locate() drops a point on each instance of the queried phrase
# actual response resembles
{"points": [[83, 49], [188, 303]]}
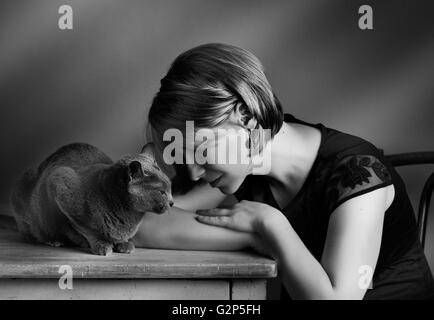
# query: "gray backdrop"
{"points": [[95, 83]]}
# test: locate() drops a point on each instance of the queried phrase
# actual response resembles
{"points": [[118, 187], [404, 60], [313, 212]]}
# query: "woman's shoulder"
{"points": [[346, 166], [336, 144], [351, 166]]}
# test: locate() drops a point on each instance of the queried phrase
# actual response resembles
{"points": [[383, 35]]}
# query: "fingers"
{"points": [[220, 221], [216, 217], [214, 212]]}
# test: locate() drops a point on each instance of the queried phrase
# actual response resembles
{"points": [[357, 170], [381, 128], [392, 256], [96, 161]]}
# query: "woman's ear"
{"points": [[148, 149], [243, 117]]}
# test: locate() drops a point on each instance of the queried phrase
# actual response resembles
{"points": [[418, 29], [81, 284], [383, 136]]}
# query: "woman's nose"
{"points": [[195, 171]]}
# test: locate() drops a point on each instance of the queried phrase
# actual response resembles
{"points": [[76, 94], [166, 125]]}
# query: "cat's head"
{"points": [[148, 188]]}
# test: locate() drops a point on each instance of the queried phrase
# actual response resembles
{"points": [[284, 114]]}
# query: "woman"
{"points": [[329, 208]]}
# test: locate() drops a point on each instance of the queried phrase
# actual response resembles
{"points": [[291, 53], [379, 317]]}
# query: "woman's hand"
{"points": [[246, 216]]}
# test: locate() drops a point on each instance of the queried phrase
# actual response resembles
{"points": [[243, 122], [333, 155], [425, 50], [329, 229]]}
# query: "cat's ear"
{"points": [[148, 149], [135, 170]]}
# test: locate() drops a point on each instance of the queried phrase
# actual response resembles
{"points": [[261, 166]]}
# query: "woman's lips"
{"points": [[215, 182]]}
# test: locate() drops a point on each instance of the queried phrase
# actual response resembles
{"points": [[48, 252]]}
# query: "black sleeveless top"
{"points": [[347, 166]]}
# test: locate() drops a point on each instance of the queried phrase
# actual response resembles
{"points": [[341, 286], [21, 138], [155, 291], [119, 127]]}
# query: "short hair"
{"points": [[206, 83]]}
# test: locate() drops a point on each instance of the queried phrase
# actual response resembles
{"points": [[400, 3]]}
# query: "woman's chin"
{"points": [[229, 186], [227, 189], [223, 189]]}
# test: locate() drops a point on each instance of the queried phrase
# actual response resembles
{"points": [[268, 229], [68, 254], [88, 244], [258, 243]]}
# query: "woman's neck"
{"points": [[293, 152]]}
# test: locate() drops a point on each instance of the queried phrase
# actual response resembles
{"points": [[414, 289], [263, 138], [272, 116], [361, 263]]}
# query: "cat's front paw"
{"points": [[124, 247], [101, 248]]}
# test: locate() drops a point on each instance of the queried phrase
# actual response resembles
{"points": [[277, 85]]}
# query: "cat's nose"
{"points": [[168, 194], [170, 198]]}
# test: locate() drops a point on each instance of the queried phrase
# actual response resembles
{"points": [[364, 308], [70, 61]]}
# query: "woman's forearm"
{"points": [[178, 229], [302, 275]]}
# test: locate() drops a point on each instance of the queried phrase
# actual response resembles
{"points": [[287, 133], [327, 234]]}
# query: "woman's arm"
{"points": [[178, 229], [350, 254], [351, 249]]}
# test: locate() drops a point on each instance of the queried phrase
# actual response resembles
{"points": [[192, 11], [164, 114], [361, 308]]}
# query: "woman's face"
{"points": [[220, 156]]}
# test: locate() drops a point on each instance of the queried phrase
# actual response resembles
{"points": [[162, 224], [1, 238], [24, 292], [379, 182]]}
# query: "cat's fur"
{"points": [[78, 196]]}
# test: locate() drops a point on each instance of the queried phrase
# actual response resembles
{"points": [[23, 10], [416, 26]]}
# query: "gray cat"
{"points": [[79, 197]]}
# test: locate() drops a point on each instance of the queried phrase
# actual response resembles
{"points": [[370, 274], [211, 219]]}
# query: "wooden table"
{"points": [[31, 271]]}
